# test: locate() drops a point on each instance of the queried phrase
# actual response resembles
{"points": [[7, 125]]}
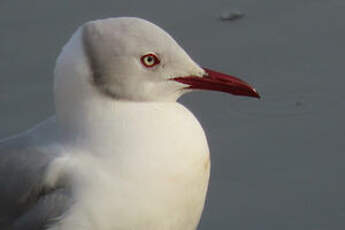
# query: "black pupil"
{"points": [[149, 59]]}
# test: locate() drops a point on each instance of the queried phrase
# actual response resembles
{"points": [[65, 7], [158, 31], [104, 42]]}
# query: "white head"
{"points": [[107, 57], [129, 59]]}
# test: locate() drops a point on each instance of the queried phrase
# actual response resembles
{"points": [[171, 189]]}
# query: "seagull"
{"points": [[120, 153]]}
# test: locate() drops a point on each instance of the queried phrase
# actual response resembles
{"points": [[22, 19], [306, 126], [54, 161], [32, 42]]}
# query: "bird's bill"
{"points": [[217, 81]]}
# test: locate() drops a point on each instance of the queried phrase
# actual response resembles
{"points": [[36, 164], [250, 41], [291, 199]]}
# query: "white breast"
{"points": [[146, 166]]}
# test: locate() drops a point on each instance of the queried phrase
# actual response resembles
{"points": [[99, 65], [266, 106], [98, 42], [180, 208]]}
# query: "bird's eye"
{"points": [[150, 60]]}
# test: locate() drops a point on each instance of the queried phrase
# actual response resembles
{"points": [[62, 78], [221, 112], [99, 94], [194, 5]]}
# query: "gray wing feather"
{"points": [[24, 202], [44, 212]]}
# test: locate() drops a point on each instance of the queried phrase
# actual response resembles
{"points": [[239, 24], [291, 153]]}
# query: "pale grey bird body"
{"points": [[121, 153]]}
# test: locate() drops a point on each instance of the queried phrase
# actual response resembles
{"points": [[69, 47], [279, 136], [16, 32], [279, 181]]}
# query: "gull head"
{"points": [[132, 59], [129, 59]]}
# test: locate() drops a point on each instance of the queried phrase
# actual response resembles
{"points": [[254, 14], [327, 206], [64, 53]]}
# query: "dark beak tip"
{"points": [[256, 94]]}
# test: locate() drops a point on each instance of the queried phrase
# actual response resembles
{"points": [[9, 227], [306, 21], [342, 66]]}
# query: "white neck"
{"points": [[79, 104]]}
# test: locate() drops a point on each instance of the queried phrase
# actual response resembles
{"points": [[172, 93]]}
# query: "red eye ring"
{"points": [[149, 60]]}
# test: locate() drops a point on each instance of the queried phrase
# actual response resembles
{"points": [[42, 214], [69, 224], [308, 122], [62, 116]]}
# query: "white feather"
{"points": [[130, 165]]}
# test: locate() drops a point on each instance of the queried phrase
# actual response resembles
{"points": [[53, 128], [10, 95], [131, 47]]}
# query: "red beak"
{"points": [[219, 82]]}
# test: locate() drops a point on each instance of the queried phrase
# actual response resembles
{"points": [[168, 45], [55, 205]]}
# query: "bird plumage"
{"points": [[121, 152], [136, 160]]}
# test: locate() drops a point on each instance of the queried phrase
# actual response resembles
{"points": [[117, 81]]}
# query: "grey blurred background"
{"points": [[277, 163]]}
